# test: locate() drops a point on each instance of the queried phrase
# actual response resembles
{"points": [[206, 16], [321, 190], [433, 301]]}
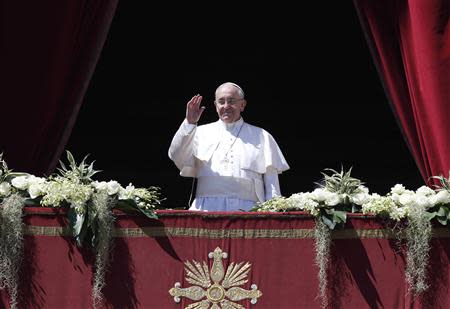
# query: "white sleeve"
{"points": [[271, 183], [182, 145]]}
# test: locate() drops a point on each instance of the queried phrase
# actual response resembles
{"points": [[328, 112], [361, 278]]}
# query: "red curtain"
{"points": [[410, 44], [48, 52]]}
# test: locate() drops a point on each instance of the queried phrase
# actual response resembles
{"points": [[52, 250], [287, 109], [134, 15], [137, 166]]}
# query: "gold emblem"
{"points": [[224, 289]]}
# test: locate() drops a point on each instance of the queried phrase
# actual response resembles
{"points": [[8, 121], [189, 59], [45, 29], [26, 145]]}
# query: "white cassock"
{"points": [[236, 164]]}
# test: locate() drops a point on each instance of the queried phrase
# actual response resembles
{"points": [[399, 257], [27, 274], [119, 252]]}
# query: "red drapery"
{"points": [[48, 52], [410, 43], [367, 267]]}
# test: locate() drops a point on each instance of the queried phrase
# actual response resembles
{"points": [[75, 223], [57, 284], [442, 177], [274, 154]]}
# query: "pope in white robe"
{"points": [[236, 164]]}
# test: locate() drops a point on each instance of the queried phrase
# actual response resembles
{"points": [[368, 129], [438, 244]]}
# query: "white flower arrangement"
{"points": [[74, 187], [395, 205], [399, 202], [313, 201], [89, 207], [339, 193]]}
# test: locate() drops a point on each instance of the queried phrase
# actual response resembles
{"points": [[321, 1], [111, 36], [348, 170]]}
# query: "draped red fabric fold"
{"points": [[410, 44], [48, 53]]}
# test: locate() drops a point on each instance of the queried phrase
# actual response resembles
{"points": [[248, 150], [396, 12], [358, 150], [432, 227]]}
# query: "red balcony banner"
{"points": [[255, 260]]}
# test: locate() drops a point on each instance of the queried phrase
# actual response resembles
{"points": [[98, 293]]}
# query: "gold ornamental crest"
{"points": [[224, 289]]}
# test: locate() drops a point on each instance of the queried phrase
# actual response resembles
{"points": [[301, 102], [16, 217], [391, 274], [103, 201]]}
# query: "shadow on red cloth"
{"points": [[31, 293], [348, 269], [119, 290], [436, 295], [163, 241]]}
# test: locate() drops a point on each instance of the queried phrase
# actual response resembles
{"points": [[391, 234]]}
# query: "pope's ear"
{"points": [[244, 103]]}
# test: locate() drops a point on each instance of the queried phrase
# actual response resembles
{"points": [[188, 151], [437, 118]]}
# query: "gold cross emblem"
{"points": [[224, 289]]}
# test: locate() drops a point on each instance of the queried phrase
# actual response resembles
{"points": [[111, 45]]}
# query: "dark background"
{"points": [[308, 76]]}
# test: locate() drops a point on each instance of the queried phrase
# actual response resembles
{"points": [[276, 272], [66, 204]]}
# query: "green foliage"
{"points": [[332, 217], [82, 172], [442, 215], [444, 182], [341, 182], [7, 174], [84, 219]]}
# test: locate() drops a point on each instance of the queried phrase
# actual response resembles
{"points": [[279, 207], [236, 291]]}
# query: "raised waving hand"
{"points": [[194, 110]]}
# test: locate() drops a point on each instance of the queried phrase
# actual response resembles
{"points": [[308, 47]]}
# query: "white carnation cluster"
{"points": [[54, 191], [144, 198], [399, 202], [305, 201], [313, 201], [384, 206]]}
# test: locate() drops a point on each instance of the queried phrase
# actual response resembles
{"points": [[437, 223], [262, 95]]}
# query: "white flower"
{"points": [[398, 189], [20, 182], [396, 197], [63, 189], [305, 201], [406, 199], [398, 213], [35, 190], [323, 195], [113, 187], [320, 194], [359, 198], [422, 200], [130, 187], [384, 205], [374, 196], [424, 190], [5, 188], [100, 186], [333, 199], [363, 189], [33, 179], [127, 193], [442, 197]]}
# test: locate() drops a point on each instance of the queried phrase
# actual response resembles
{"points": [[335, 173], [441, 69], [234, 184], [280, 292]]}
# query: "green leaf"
{"points": [[92, 225], [355, 208], [431, 215], [442, 220], [128, 205], [148, 213], [76, 223], [329, 211], [442, 212], [33, 202], [339, 216], [330, 223]]}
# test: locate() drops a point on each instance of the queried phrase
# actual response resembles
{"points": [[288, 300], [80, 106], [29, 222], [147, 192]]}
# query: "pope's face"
{"points": [[229, 104]]}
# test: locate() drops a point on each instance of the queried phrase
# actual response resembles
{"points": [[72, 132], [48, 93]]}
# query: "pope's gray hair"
{"points": [[240, 91]]}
